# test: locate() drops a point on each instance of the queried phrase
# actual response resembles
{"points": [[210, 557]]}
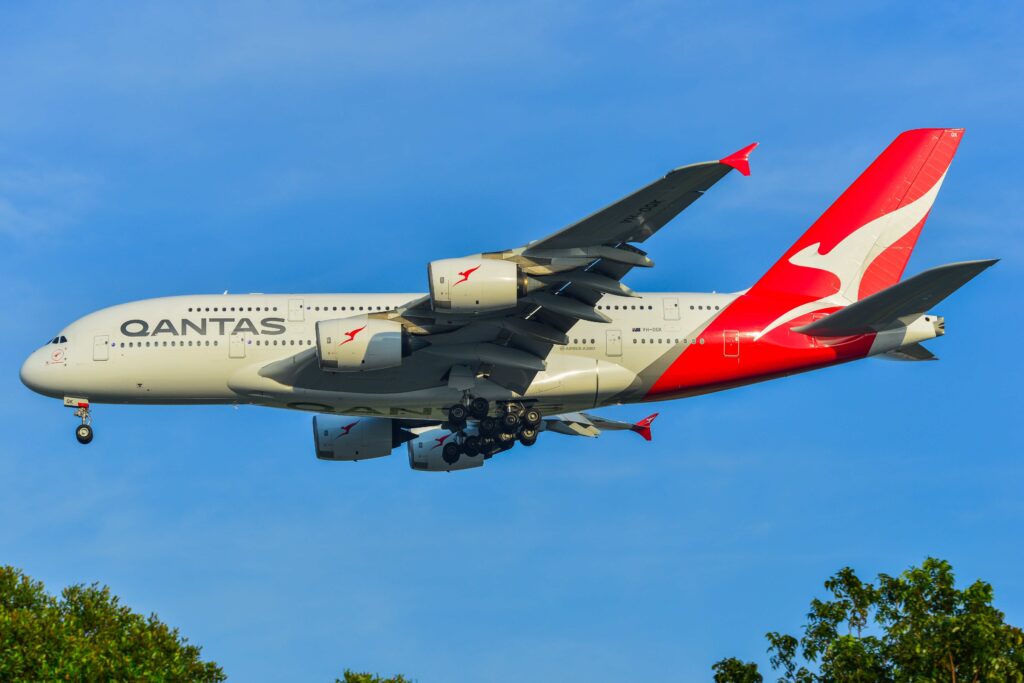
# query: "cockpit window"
{"points": [[58, 340], [63, 339]]}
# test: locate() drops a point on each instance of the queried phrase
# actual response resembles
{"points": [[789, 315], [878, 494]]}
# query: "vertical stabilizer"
{"points": [[862, 243]]}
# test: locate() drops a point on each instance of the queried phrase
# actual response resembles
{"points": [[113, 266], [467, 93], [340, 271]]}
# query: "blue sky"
{"points": [[166, 149]]}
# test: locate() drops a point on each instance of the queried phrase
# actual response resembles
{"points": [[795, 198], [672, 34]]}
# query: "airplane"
{"points": [[508, 344]]}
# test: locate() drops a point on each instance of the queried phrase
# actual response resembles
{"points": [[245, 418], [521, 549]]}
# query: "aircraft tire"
{"points": [[510, 422], [471, 446], [479, 407], [457, 415], [528, 437], [531, 417], [83, 433], [451, 452], [488, 426]]}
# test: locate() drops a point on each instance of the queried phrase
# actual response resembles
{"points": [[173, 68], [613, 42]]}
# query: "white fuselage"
{"points": [[211, 348]]}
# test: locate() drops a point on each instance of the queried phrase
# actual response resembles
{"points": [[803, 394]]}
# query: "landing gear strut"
{"points": [[84, 431]]}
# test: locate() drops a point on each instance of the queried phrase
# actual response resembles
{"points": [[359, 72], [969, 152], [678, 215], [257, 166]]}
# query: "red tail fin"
{"points": [[643, 427], [861, 244]]}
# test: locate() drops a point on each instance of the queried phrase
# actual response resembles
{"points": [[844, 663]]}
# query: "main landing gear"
{"points": [[83, 432], [494, 434]]}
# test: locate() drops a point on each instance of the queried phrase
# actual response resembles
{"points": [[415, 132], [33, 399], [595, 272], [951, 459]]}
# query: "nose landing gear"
{"points": [[83, 432]]}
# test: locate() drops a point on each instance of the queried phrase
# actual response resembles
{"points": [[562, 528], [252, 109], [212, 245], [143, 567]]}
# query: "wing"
{"points": [[636, 217], [567, 274], [563, 277]]}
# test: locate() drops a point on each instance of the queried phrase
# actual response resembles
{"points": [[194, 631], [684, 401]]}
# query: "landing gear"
{"points": [[84, 431], [510, 422], [478, 408], [527, 436], [531, 417], [450, 453], [488, 426], [514, 422], [457, 416], [471, 446]]}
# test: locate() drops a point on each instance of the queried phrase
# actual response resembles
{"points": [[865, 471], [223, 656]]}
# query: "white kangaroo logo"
{"points": [[850, 259]]}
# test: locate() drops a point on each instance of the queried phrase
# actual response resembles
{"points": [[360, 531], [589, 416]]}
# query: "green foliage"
{"points": [[732, 670], [913, 627], [353, 677], [87, 635]]}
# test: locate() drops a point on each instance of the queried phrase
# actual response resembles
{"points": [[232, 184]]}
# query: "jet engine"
{"points": [[427, 453], [337, 437], [475, 284], [359, 344]]}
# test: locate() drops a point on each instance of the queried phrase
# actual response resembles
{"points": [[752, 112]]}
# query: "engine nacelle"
{"points": [[474, 284], [426, 453], [359, 344], [337, 437]]}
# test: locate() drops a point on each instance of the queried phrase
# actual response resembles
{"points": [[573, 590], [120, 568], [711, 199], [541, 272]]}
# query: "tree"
{"points": [[732, 670], [87, 635], [353, 677], [913, 627]]}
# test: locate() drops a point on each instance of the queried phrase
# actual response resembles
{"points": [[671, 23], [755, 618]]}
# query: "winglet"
{"points": [[643, 427], [740, 160]]}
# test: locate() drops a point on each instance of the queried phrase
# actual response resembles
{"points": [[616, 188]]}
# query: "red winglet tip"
{"points": [[643, 427], [740, 160]]}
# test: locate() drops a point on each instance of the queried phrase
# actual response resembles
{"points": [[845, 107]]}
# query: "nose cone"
{"points": [[41, 377]]}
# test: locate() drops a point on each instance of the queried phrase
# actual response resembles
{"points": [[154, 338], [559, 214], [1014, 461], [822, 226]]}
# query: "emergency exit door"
{"points": [[613, 341], [671, 308], [236, 346], [100, 347], [731, 341], [296, 313]]}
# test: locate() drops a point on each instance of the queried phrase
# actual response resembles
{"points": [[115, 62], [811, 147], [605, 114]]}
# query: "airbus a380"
{"points": [[508, 344]]}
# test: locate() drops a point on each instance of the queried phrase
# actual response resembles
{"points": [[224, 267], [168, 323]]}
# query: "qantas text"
{"points": [[202, 326]]}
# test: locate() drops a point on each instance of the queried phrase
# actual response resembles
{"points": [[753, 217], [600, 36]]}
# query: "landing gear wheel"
{"points": [[471, 446], [531, 417], [479, 408], [510, 422], [457, 415], [528, 436], [451, 452], [487, 446], [84, 434], [488, 426]]}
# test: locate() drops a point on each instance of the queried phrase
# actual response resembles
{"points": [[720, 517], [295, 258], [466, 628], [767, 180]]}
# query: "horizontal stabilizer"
{"points": [[909, 352], [912, 296]]}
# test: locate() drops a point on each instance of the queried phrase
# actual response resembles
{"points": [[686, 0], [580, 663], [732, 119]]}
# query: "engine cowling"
{"points": [[337, 437], [474, 284], [359, 344], [426, 453]]}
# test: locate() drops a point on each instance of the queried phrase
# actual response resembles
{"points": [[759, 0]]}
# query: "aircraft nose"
{"points": [[38, 376]]}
